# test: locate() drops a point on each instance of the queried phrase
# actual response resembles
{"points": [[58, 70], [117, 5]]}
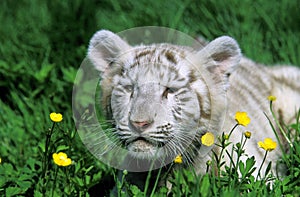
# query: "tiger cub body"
{"points": [[164, 97]]}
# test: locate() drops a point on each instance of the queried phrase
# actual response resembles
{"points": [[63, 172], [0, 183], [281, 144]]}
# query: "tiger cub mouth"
{"points": [[141, 144]]}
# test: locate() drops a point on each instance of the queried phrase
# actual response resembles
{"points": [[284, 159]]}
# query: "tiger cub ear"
{"points": [[104, 48], [220, 56]]}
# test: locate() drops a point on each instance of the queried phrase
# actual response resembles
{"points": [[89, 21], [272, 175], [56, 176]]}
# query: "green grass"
{"points": [[42, 44]]}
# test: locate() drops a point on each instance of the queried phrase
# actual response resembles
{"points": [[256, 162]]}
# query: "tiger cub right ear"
{"points": [[221, 55], [104, 48]]}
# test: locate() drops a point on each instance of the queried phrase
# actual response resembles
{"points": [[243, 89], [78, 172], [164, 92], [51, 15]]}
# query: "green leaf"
{"points": [[62, 148], [79, 181], [87, 179], [268, 168], [88, 169], [31, 162], [205, 185], [163, 191], [2, 182], [42, 74], [7, 169], [38, 194], [11, 191], [77, 167], [69, 74], [250, 162], [25, 177], [135, 190], [24, 185]]}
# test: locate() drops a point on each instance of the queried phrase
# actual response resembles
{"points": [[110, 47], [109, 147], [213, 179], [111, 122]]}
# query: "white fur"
{"points": [[225, 81]]}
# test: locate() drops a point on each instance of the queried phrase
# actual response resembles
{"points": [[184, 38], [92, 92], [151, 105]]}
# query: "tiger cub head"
{"points": [[163, 97]]}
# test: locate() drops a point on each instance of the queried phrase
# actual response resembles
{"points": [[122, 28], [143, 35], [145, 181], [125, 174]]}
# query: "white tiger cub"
{"points": [[164, 97]]}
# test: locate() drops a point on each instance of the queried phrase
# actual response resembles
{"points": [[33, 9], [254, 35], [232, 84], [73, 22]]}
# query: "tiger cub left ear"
{"points": [[104, 48], [220, 56]]}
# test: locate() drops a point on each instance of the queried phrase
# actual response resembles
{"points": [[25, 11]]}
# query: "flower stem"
{"points": [[262, 163], [207, 168], [231, 159], [48, 138], [46, 156], [243, 145], [69, 183], [54, 182], [232, 130], [156, 182], [279, 126]]}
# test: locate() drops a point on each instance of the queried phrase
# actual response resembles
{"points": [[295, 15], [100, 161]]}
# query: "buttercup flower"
{"points": [[61, 159], [242, 118], [178, 159], [125, 172], [226, 136], [56, 117], [0, 160], [267, 145], [247, 134], [208, 162], [272, 98], [208, 139]]}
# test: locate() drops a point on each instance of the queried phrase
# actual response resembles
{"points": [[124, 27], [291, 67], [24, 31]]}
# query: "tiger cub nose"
{"points": [[141, 124]]}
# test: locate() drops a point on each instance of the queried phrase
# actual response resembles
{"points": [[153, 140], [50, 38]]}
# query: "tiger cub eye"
{"points": [[128, 88], [168, 91]]}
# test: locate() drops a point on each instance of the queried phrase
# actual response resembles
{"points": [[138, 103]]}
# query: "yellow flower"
{"points": [[242, 118], [208, 139], [247, 134], [56, 117], [178, 159], [267, 145], [0, 160], [272, 98], [61, 159]]}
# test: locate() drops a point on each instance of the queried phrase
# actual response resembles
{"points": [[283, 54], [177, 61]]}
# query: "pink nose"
{"points": [[142, 124]]}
